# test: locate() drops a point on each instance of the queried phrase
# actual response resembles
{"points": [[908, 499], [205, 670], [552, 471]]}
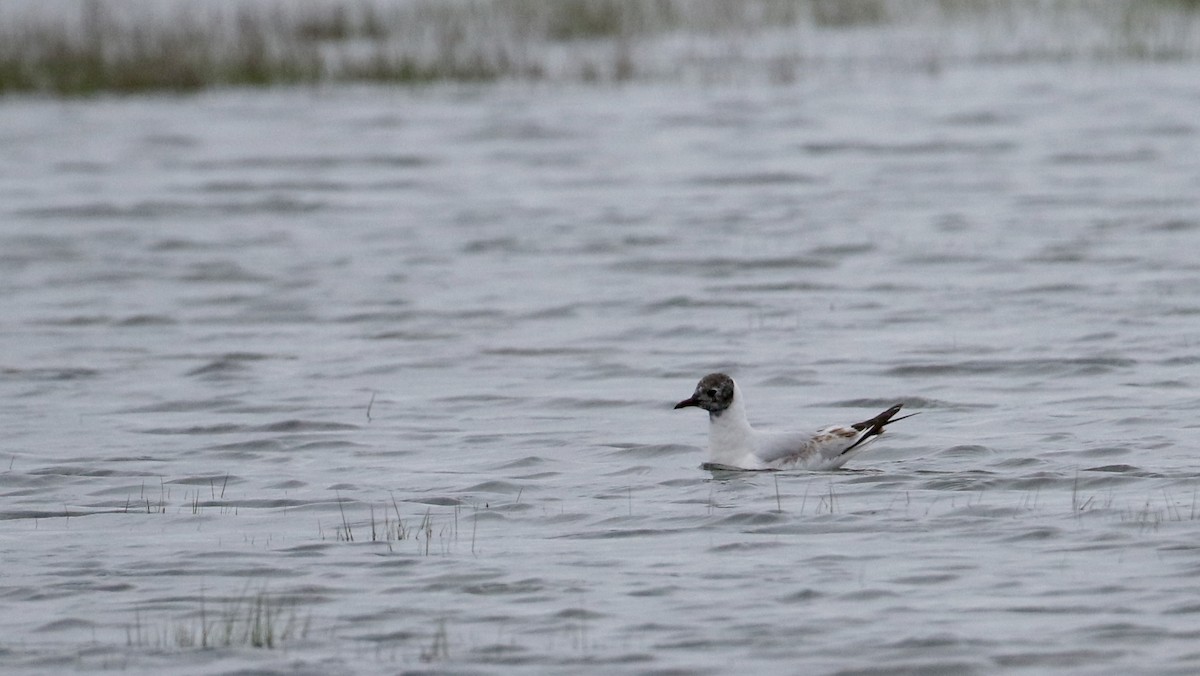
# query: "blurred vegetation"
{"points": [[82, 47]]}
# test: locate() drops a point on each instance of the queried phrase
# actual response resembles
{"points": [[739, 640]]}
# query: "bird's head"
{"points": [[714, 393]]}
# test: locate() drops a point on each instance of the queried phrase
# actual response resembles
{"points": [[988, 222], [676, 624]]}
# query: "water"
{"points": [[244, 327]]}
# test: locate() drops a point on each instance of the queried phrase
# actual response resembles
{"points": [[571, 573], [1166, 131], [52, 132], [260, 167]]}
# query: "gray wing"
{"points": [[823, 447]]}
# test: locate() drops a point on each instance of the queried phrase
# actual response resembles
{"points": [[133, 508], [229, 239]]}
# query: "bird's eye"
{"points": [[712, 393]]}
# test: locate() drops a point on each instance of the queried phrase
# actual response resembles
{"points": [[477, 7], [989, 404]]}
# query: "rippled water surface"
{"points": [[392, 372]]}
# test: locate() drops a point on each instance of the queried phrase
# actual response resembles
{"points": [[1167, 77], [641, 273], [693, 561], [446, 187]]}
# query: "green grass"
{"points": [[110, 54], [260, 621], [133, 46], [387, 526]]}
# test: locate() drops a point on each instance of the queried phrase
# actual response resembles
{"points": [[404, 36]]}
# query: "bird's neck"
{"points": [[730, 437]]}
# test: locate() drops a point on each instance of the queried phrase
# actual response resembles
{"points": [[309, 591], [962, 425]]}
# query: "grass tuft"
{"points": [[261, 621], [133, 46], [438, 649], [389, 531]]}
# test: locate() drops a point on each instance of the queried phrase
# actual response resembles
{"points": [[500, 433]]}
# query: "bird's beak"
{"points": [[690, 401]]}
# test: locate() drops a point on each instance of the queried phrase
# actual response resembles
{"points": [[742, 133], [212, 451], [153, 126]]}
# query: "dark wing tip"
{"points": [[874, 426], [880, 420]]}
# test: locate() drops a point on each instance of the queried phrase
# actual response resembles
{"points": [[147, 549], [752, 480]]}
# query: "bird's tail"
{"points": [[874, 426]]}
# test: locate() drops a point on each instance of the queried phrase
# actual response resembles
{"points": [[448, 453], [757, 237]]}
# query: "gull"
{"points": [[734, 444]]}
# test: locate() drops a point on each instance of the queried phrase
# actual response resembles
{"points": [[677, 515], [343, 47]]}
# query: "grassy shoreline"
{"points": [[86, 47]]}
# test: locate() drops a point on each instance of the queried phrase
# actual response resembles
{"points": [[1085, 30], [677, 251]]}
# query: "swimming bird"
{"points": [[734, 444]]}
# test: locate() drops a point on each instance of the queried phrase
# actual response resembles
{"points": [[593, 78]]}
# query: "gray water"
{"points": [[398, 367]]}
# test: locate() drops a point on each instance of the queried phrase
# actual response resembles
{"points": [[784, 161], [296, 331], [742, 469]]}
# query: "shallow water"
{"points": [[241, 329]]}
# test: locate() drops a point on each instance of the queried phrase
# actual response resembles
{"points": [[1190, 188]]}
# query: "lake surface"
{"points": [[391, 371]]}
